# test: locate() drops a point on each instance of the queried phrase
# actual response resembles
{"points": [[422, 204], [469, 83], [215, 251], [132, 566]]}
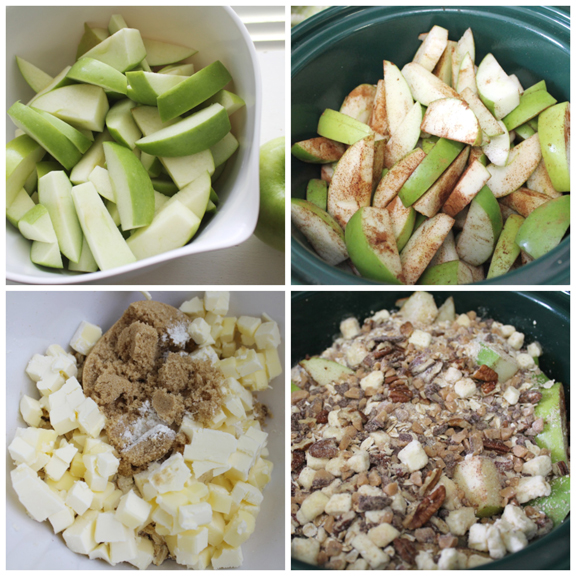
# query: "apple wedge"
{"points": [[405, 138], [424, 86], [398, 99], [75, 136], [46, 254], [22, 155], [470, 183], [162, 53], [479, 479], [552, 408], [318, 150], [524, 131], [194, 196], [443, 69], [554, 135], [452, 273], [36, 225], [178, 69], [402, 219], [522, 161], [453, 119], [530, 106], [351, 186], [372, 246], [540, 181], [429, 170], [90, 38], [514, 79], [232, 102], [147, 87], [359, 103], [21, 204], [193, 134], [432, 201], [101, 180], [422, 246], [489, 125], [317, 193], [94, 157], [91, 71], [557, 505], [446, 252], [121, 125], [379, 118], [392, 182], [327, 171], [497, 91], [432, 48], [325, 372], [320, 229], [481, 229], [524, 201], [464, 46], [86, 262], [342, 128], [37, 79], [123, 50], [545, 227], [506, 250], [224, 149], [498, 149], [467, 76], [58, 81]]}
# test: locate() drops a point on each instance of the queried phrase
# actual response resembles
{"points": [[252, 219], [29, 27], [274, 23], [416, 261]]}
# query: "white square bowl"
{"points": [[37, 319], [48, 37]]}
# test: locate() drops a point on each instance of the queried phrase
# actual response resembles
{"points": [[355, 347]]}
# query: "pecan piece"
{"points": [[322, 417], [399, 392], [458, 423], [560, 468], [486, 374], [298, 395], [298, 460], [406, 329], [323, 449], [488, 388], [405, 549], [530, 397], [496, 445], [426, 509], [366, 503], [430, 481]]}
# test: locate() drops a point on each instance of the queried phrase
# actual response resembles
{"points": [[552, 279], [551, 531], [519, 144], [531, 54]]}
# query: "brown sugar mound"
{"points": [[141, 376]]}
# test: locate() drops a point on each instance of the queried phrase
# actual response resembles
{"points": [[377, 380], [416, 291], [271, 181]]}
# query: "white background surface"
{"points": [[37, 319]]}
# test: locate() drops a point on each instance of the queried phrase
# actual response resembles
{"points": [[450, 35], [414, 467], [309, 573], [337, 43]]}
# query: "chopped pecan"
{"points": [[430, 481], [366, 503], [298, 461], [426, 509], [530, 397], [488, 387], [344, 523], [323, 449], [377, 459], [322, 478], [322, 417], [354, 393], [406, 329], [420, 364], [405, 549], [447, 541], [399, 392], [298, 395], [425, 535], [485, 374], [496, 445], [560, 468], [458, 423]]}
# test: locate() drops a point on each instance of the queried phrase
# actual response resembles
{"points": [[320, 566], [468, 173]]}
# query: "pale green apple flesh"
{"points": [[36, 225], [43, 168], [46, 254], [224, 149], [497, 91], [341, 128], [419, 308], [123, 50], [530, 106], [506, 250], [22, 155], [317, 193], [75, 136], [94, 157], [432, 48], [498, 149], [464, 46], [162, 53], [480, 481], [552, 408], [405, 138], [489, 125], [89, 39], [467, 76], [453, 119], [165, 186], [447, 311], [160, 200], [146, 87], [90, 71], [424, 86], [194, 196], [58, 81], [121, 124], [318, 150], [398, 99], [151, 164], [540, 181], [359, 103], [179, 70], [325, 371], [446, 252], [495, 357], [37, 79], [524, 201], [443, 69], [452, 273], [101, 180], [86, 262], [554, 136], [232, 102], [21, 204], [470, 183], [402, 221]]}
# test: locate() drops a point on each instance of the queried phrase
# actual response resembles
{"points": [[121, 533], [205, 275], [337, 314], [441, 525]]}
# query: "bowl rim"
{"points": [[249, 180], [306, 265]]}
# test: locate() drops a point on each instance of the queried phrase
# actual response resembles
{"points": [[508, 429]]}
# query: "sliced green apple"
{"points": [[530, 106], [552, 408], [506, 250], [36, 225], [467, 76], [224, 149], [46, 254], [232, 102], [524, 201], [540, 181], [453, 119], [94, 157], [178, 69], [341, 128], [37, 79], [22, 154], [498, 149], [470, 183], [21, 204], [398, 98], [554, 136], [325, 371], [524, 131], [489, 125], [402, 221], [318, 150], [557, 505], [446, 252], [379, 119], [443, 69], [90, 71], [86, 262], [497, 91], [123, 50], [194, 196], [452, 273], [424, 86], [359, 103], [447, 311], [57, 82], [146, 87], [165, 186], [43, 168], [101, 180], [162, 53], [75, 136], [317, 193], [480, 481], [405, 138], [121, 124], [320, 229], [151, 164], [432, 48], [89, 39], [464, 46]]}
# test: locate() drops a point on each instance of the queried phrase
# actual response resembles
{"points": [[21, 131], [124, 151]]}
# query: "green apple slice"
{"points": [[123, 50], [506, 250], [173, 227], [446, 252], [545, 227], [116, 23], [75, 136], [476, 153], [57, 82], [232, 102], [481, 229], [37, 79], [320, 229], [160, 200], [46, 254], [317, 193], [22, 154], [514, 78], [432, 48], [453, 119], [36, 225], [21, 204], [121, 124], [379, 119], [94, 157], [524, 131], [31, 182], [497, 91], [402, 219], [342, 128], [193, 134], [540, 181], [467, 76], [557, 505], [480, 480], [162, 53], [552, 408], [432, 201], [223, 149], [132, 187], [193, 91], [398, 98], [535, 87], [54, 192], [151, 164], [86, 262], [429, 170], [46, 134], [453, 273], [405, 138], [82, 105], [359, 103], [524, 201], [470, 183], [91, 71], [318, 150], [464, 46], [101, 180], [495, 357], [443, 69], [554, 135], [90, 39], [423, 244], [351, 186], [214, 197], [194, 196], [498, 149], [325, 372], [424, 86], [378, 170], [146, 87], [43, 168], [372, 246], [522, 161], [530, 106], [113, 211], [489, 125], [164, 186], [178, 69]]}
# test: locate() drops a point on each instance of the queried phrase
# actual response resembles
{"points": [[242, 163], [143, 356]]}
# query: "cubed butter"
{"points": [[132, 511], [267, 336], [85, 337], [239, 529], [217, 302], [80, 536], [194, 308], [79, 497], [171, 475], [31, 410], [199, 329]]}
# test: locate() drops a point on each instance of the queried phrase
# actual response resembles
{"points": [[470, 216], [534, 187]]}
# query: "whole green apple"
{"points": [[270, 227]]}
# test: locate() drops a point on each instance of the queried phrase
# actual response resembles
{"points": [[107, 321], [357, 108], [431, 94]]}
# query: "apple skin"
{"points": [[506, 250], [450, 273], [271, 226], [530, 106], [22, 155], [553, 131]]}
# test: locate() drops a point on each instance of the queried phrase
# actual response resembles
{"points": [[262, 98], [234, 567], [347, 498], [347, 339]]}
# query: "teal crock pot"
{"points": [[341, 47], [542, 316]]}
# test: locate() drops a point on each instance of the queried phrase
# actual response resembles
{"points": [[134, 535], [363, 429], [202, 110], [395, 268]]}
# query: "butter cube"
{"points": [[192, 516], [239, 529], [107, 464], [38, 367], [77, 467], [194, 308], [162, 518], [420, 338], [62, 520], [217, 302], [124, 550], [248, 325], [171, 502], [80, 536], [240, 465], [85, 337], [215, 331], [101, 552], [95, 446], [90, 420], [31, 410], [199, 329], [192, 541], [64, 484], [65, 366], [40, 462], [56, 350], [188, 426], [63, 418], [132, 511], [205, 353], [235, 407], [99, 498], [144, 553], [227, 557], [56, 467], [248, 362], [96, 482], [21, 452], [74, 393], [217, 419], [228, 367], [247, 340], [267, 336], [261, 473], [79, 497], [219, 499], [247, 492], [257, 381], [228, 349], [204, 559], [211, 445], [111, 501], [171, 475], [228, 329], [261, 438], [201, 467], [66, 453], [273, 364], [50, 383], [196, 491], [40, 439], [213, 319], [216, 529], [413, 456], [109, 528], [237, 389]]}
